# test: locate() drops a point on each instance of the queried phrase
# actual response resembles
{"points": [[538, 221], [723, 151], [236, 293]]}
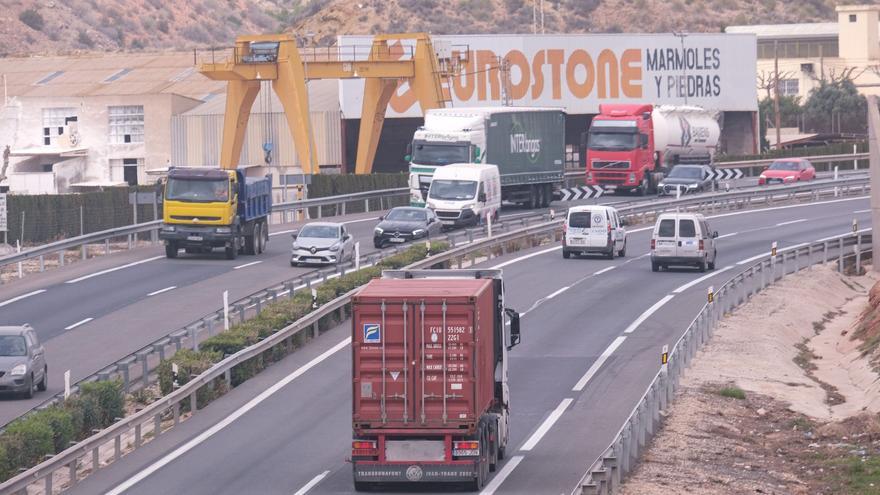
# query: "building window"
{"points": [[852, 18], [126, 124], [789, 87], [55, 121], [126, 170]]}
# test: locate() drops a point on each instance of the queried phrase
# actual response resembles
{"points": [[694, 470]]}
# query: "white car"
{"points": [[683, 239], [322, 243], [593, 229]]}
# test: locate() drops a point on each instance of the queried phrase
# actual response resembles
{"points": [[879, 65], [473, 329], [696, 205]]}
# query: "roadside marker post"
{"points": [[67, 384], [357, 256], [225, 310]]}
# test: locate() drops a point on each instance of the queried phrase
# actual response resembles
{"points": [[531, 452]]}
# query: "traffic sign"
{"points": [[583, 192], [726, 174]]}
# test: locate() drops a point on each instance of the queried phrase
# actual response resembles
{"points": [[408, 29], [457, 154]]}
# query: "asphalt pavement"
{"points": [[592, 333]]}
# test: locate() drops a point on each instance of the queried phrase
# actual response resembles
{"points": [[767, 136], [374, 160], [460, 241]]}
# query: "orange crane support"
{"points": [[278, 59]]}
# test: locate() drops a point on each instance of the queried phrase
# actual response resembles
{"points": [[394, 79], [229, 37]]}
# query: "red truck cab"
{"points": [[620, 148], [429, 377]]}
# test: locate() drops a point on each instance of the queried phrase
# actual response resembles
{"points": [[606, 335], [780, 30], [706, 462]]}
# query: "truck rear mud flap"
{"points": [[415, 473]]}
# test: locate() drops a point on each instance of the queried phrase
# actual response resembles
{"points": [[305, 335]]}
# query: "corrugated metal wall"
{"points": [[195, 139]]}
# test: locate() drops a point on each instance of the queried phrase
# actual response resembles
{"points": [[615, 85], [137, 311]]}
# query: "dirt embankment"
{"points": [[784, 399]]}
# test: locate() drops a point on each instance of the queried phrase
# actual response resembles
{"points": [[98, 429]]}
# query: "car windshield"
{"points": [[197, 190], [784, 166], [12, 345], [320, 231], [407, 215], [608, 141], [453, 190], [686, 173], [439, 154]]}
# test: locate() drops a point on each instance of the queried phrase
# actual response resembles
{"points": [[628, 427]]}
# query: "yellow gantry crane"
{"points": [[277, 58]]}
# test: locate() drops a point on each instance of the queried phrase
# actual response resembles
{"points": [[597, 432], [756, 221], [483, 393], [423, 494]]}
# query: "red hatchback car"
{"points": [[787, 171]]}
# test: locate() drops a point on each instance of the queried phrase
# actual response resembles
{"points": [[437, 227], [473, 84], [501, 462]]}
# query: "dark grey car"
{"points": [[688, 178], [22, 361], [406, 223]]}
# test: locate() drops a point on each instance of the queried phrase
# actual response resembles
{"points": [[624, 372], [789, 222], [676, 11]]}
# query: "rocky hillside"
{"points": [[65, 26]]}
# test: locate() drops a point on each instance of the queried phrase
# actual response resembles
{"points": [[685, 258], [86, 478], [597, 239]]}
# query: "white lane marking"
{"points": [[371, 219], [560, 291], [598, 364], [109, 270], [701, 279], [252, 263], [23, 296], [166, 289], [83, 322], [644, 316], [525, 257], [241, 411], [546, 425], [641, 229], [728, 235], [311, 484], [753, 258], [502, 475], [280, 232], [862, 211], [799, 220], [605, 270]]}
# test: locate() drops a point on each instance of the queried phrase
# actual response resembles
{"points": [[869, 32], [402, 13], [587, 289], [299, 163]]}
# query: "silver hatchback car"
{"points": [[322, 243], [22, 361]]}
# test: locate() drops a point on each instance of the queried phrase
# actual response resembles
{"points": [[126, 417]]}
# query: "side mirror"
{"points": [[407, 158], [294, 234], [514, 328], [346, 237], [623, 222], [481, 197], [476, 154], [715, 235], [431, 220], [381, 217]]}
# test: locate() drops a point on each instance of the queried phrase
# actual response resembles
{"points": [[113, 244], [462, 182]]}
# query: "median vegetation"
{"points": [[27, 441], [274, 317]]}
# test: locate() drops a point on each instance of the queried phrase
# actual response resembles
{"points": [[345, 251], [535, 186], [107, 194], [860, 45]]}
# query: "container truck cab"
{"points": [[631, 147], [465, 194], [206, 208], [429, 377]]}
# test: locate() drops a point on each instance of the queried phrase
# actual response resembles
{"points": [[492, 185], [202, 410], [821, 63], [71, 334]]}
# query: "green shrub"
{"points": [[28, 441], [6, 467], [189, 363], [108, 399], [61, 423], [732, 392]]}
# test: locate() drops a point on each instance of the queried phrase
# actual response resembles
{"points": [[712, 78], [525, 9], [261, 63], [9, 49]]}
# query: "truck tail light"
{"points": [[589, 176], [468, 448], [701, 245], [653, 244], [361, 448]]}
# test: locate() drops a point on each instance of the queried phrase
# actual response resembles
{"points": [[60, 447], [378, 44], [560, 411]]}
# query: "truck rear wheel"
{"points": [[482, 464], [532, 203], [171, 250], [249, 247]]}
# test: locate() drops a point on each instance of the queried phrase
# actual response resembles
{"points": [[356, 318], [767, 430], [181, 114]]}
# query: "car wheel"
{"points": [[171, 250], [29, 393], [44, 383], [622, 252], [703, 266], [610, 254], [566, 254], [377, 244]]}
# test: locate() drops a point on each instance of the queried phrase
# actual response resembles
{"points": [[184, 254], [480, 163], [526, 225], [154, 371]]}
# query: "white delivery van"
{"points": [[593, 229], [465, 193], [683, 239]]}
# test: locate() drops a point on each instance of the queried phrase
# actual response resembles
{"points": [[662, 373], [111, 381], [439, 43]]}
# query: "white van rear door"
{"points": [[688, 238], [578, 229], [598, 236], [665, 242]]}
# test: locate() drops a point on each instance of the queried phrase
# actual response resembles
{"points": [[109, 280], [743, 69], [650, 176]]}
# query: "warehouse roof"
{"points": [[114, 74], [788, 31]]}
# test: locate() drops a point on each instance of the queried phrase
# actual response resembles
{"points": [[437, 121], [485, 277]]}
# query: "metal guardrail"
{"points": [[606, 474], [385, 197], [475, 252], [819, 159]]}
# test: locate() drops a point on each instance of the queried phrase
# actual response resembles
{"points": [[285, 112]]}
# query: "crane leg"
{"points": [[240, 96], [291, 90], [377, 94]]}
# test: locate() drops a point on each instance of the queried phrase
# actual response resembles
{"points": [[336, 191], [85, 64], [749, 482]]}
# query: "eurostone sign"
{"points": [[580, 72]]}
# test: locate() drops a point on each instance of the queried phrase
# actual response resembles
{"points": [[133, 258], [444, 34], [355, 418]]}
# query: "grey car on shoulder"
{"points": [[322, 243], [22, 361]]}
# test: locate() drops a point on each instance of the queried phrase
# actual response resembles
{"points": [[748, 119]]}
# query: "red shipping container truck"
{"points": [[429, 370]]}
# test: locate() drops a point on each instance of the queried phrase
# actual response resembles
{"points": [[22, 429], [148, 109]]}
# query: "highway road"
{"points": [[92, 313], [592, 334]]}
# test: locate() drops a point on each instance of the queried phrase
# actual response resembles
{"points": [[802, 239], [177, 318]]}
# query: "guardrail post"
{"points": [[626, 449], [259, 303], [176, 410], [193, 403], [96, 460], [825, 252], [366, 206], [61, 258], [241, 312], [48, 481], [71, 474], [142, 357], [157, 425], [137, 436], [129, 242], [42, 263], [227, 377], [117, 448], [193, 337], [840, 255], [615, 465]]}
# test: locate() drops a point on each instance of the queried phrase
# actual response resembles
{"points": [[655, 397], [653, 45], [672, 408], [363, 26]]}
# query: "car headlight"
{"points": [[418, 232], [790, 177], [224, 230], [19, 370], [468, 206], [762, 176], [692, 186], [168, 228], [430, 205], [377, 231], [632, 177], [296, 246], [335, 247]]}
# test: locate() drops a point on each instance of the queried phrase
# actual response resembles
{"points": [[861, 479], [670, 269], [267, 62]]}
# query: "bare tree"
{"points": [[6, 153], [766, 79]]}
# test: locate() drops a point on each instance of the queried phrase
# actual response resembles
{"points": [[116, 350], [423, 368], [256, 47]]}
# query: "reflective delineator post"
{"points": [[357, 256], [855, 225], [67, 384], [489, 224], [225, 310]]}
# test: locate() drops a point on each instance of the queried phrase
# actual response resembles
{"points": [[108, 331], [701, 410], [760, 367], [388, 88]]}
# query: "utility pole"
{"points": [[542, 16], [776, 92], [504, 65], [874, 164], [534, 16]]}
